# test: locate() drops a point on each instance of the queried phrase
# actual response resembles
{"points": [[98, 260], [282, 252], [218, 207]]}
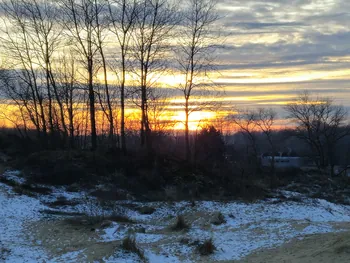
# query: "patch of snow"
{"points": [[119, 232], [148, 238], [121, 256], [312, 229], [70, 257], [164, 258], [114, 232], [14, 176], [16, 210]]}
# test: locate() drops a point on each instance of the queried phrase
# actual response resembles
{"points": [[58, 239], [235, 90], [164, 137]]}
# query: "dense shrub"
{"points": [[67, 167], [210, 146]]}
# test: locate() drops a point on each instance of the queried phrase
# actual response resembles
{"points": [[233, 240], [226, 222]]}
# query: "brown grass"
{"points": [[207, 247], [4, 252], [218, 219], [345, 249], [180, 224], [146, 210], [129, 244], [62, 201], [95, 220]]}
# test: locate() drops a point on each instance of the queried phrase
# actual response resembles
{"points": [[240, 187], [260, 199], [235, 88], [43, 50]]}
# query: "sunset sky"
{"points": [[274, 49], [277, 48]]}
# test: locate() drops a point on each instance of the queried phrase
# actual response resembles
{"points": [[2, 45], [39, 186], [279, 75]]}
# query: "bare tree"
{"points": [[80, 23], [247, 125], [23, 82], [155, 20], [159, 115], [321, 124], [45, 33], [101, 30], [122, 17], [195, 54], [68, 87], [12, 111], [265, 119], [15, 116]]}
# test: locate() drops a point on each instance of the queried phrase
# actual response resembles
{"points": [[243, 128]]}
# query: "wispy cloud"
{"points": [[307, 40]]}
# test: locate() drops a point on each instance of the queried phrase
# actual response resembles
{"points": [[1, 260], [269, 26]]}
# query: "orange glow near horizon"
{"points": [[167, 120]]}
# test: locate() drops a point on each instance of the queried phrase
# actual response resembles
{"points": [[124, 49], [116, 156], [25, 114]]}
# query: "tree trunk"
{"points": [[71, 119], [187, 133], [109, 105], [122, 105], [92, 107]]}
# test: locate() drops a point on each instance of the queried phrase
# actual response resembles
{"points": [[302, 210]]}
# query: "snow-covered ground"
{"points": [[248, 227], [15, 212]]}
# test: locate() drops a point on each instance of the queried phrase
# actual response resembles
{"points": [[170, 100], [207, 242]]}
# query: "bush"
{"points": [[67, 167], [210, 146]]}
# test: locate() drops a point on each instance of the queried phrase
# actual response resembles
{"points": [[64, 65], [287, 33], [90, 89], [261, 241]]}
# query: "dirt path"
{"points": [[318, 248], [59, 238]]}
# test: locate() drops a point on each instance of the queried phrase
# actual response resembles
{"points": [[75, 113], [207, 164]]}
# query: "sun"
{"points": [[197, 119]]}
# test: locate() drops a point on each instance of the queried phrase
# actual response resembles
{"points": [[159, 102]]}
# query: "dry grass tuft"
{"points": [[206, 248], [345, 249], [4, 253], [218, 219], [129, 244], [146, 210], [180, 224]]}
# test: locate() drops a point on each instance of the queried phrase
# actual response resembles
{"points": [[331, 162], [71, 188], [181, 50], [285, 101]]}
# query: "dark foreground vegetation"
{"points": [[222, 168], [147, 177]]}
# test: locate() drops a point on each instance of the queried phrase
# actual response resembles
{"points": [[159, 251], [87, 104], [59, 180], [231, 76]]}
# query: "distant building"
{"points": [[283, 160]]}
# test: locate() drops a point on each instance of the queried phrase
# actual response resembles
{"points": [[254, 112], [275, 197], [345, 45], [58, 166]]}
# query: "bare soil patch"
{"points": [[318, 248]]}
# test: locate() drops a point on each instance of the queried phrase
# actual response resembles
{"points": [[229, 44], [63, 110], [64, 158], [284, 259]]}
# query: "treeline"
{"points": [[318, 129], [75, 69]]}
